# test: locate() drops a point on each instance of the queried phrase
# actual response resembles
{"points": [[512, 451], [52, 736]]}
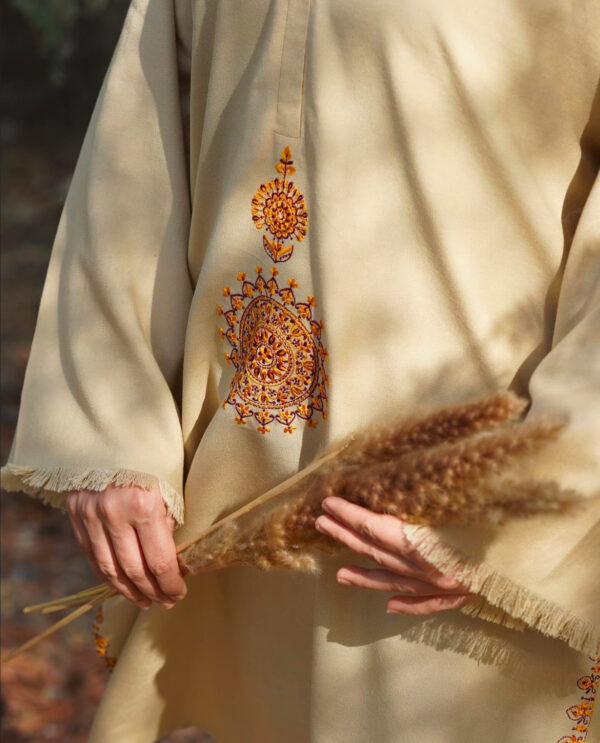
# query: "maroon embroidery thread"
{"points": [[280, 209], [277, 349], [277, 353], [581, 713]]}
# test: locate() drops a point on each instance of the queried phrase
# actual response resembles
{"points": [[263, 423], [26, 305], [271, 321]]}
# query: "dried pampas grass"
{"points": [[453, 466]]}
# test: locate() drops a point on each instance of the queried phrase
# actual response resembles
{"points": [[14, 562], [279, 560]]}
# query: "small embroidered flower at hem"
{"points": [[277, 352], [581, 714], [279, 207], [101, 642]]}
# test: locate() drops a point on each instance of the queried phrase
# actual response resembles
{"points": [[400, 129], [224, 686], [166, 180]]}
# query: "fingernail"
{"points": [[326, 505], [392, 611], [344, 581], [319, 525], [169, 606]]}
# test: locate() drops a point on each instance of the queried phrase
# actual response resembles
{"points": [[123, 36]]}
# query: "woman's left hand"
{"points": [[422, 589]]}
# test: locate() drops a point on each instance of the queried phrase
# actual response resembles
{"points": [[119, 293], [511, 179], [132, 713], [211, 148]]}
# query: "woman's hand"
{"points": [[127, 536], [422, 588]]}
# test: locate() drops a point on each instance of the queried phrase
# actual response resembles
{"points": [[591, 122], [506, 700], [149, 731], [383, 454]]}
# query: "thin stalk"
{"points": [[67, 600], [269, 495], [58, 625]]}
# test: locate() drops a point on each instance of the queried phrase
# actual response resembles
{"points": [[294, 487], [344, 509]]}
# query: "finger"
{"points": [[81, 513], [83, 539], [383, 557], [159, 550], [131, 560], [386, 531], [422, 605], [363, 546], [104, 556], [383, 529], [386, 580]]}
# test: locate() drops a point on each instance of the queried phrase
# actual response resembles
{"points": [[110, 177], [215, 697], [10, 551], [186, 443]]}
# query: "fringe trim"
{"points": [[50, 485], [524, 665], [501, 600]]}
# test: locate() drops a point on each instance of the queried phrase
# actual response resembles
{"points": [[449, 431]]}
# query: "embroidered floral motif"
{"points": [[277, 353], [101, 642], [581, 714], [279, 207]]}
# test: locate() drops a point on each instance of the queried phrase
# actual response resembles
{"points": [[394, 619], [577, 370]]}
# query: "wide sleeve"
{"points": [[100, 402], [543, 572]]}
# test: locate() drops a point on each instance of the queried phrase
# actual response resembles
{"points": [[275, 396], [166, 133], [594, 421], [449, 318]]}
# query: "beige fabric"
{"points": [[438, 150]]}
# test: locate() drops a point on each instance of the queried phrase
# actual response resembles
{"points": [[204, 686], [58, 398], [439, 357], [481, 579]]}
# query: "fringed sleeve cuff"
{"points": [[553, 608], [51, 485]]}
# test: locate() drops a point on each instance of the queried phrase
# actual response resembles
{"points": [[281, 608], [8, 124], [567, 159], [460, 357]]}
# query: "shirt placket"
{"points": [[291, 79]]}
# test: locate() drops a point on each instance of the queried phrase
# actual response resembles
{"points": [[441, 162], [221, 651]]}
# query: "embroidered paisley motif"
{"points": [[277, 353]]}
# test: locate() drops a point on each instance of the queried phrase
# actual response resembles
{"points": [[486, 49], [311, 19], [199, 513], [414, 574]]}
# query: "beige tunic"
{"points": [[288, 218]]}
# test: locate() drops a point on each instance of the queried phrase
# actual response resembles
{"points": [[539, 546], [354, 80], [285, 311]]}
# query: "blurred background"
{"points": [[54, 56]]}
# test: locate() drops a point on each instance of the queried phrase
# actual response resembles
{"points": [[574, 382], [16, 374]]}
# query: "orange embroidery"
{"points": [[101, 642], [581, 714], [277, 353], [279, 207]]}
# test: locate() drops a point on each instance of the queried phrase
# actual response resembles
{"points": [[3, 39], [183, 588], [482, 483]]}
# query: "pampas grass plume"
{"points": [[449, 466]]}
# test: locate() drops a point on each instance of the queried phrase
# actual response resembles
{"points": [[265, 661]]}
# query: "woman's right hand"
{"points": [[127, 537]]}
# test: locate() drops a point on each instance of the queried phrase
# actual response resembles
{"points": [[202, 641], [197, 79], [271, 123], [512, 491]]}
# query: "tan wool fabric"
{"points": [[290, 219]]}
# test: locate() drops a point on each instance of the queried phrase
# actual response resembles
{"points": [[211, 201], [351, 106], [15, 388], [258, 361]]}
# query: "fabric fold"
{"points": [[541, 572], [101, 399]]}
